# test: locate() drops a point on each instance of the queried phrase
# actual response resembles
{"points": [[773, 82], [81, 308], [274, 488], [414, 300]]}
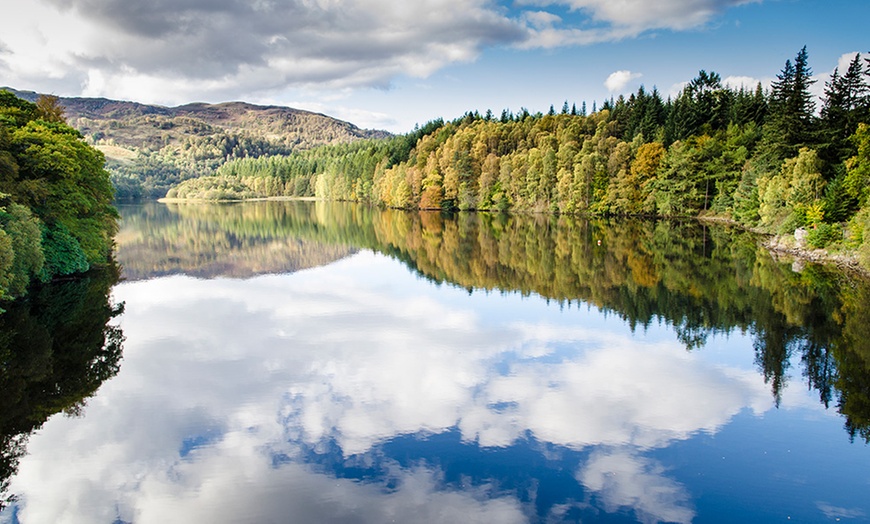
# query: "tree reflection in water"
{"points": [[701, 279], [57, 348]]}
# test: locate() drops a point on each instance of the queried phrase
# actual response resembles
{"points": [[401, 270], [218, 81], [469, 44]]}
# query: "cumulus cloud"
{"points": [[737, 82], [618, 80], [163, 51], [192, 47]]}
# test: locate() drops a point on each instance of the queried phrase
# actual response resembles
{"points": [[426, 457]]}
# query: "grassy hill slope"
{"points": [[150, 147]]}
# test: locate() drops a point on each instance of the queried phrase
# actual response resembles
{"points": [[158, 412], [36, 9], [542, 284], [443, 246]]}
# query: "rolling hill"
{"points": [[149, 147]]}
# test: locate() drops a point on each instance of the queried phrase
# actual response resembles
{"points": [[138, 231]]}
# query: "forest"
{"points": [[56, 213], [772, 160]]}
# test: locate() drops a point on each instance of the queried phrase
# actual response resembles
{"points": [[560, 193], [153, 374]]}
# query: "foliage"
{"points": [[152, 148], [845, 107], [21, 256], [63, 254], [764, 159], [56, 216], [786, 198], [824, 234], [49, 109], [859, 227], [857, 179], [791, 120]]}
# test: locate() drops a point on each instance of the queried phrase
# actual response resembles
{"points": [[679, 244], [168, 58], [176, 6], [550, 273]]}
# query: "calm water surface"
{"points": [[313, 362]]}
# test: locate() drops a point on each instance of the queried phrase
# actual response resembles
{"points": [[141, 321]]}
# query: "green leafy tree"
{"points": [[22, 257], [786, 198], [857, 180], [54, 192]]}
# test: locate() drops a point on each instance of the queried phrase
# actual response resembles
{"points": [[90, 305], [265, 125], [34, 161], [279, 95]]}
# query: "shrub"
{"points": [[63, 253], [860, 228], [824, 234]]}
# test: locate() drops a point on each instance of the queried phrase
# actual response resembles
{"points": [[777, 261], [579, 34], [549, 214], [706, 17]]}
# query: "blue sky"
{"points": [[387, 64]]}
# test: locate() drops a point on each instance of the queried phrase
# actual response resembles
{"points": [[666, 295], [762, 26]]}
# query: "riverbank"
{"points": [[169, 200], [794, 245], [779, 245], [791, 245]]}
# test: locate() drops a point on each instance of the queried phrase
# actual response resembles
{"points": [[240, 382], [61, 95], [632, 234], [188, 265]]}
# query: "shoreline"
{"points": [[788, 245], [173, 200], [777, 245]]}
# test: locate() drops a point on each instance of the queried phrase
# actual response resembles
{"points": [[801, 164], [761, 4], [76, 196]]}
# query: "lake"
{"points": [[324, 362]]}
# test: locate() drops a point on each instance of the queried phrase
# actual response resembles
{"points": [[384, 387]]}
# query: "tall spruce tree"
{"points": [[791, 120], [845, 105]]}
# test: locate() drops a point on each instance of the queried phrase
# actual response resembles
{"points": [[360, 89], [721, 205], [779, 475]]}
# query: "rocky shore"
{"points": [[795, 245]]}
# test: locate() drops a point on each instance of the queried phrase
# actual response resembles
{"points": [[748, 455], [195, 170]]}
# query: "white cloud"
{"points": [[737, 82], [618, 80], [176, 52], [541, 19], [643, 15], [185, 50], [818, 88], [626, 480], [261, 366]]}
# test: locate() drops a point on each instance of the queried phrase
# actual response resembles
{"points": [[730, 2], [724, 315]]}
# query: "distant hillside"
{"points": [[149, 147]]}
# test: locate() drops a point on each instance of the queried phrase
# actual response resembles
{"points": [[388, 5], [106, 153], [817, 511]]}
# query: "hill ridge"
{"points": [[152, 147]]}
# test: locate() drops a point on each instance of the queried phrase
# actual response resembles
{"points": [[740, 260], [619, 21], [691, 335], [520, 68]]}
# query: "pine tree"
{"points": [[843, 108], [790, 123], [505, 116]]}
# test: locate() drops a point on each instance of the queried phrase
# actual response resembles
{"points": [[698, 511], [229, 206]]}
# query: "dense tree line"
{"points": [[340, 172], [56, 216], [152, 172], [765, 159]]}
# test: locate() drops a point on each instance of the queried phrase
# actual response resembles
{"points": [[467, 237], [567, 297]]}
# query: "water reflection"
{"points": [[701, 280], [359, 391], [212, 240], [287, 397], [57, 347]]}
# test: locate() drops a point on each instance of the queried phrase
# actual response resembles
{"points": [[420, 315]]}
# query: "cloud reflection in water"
{"points": [[224, 375]]}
